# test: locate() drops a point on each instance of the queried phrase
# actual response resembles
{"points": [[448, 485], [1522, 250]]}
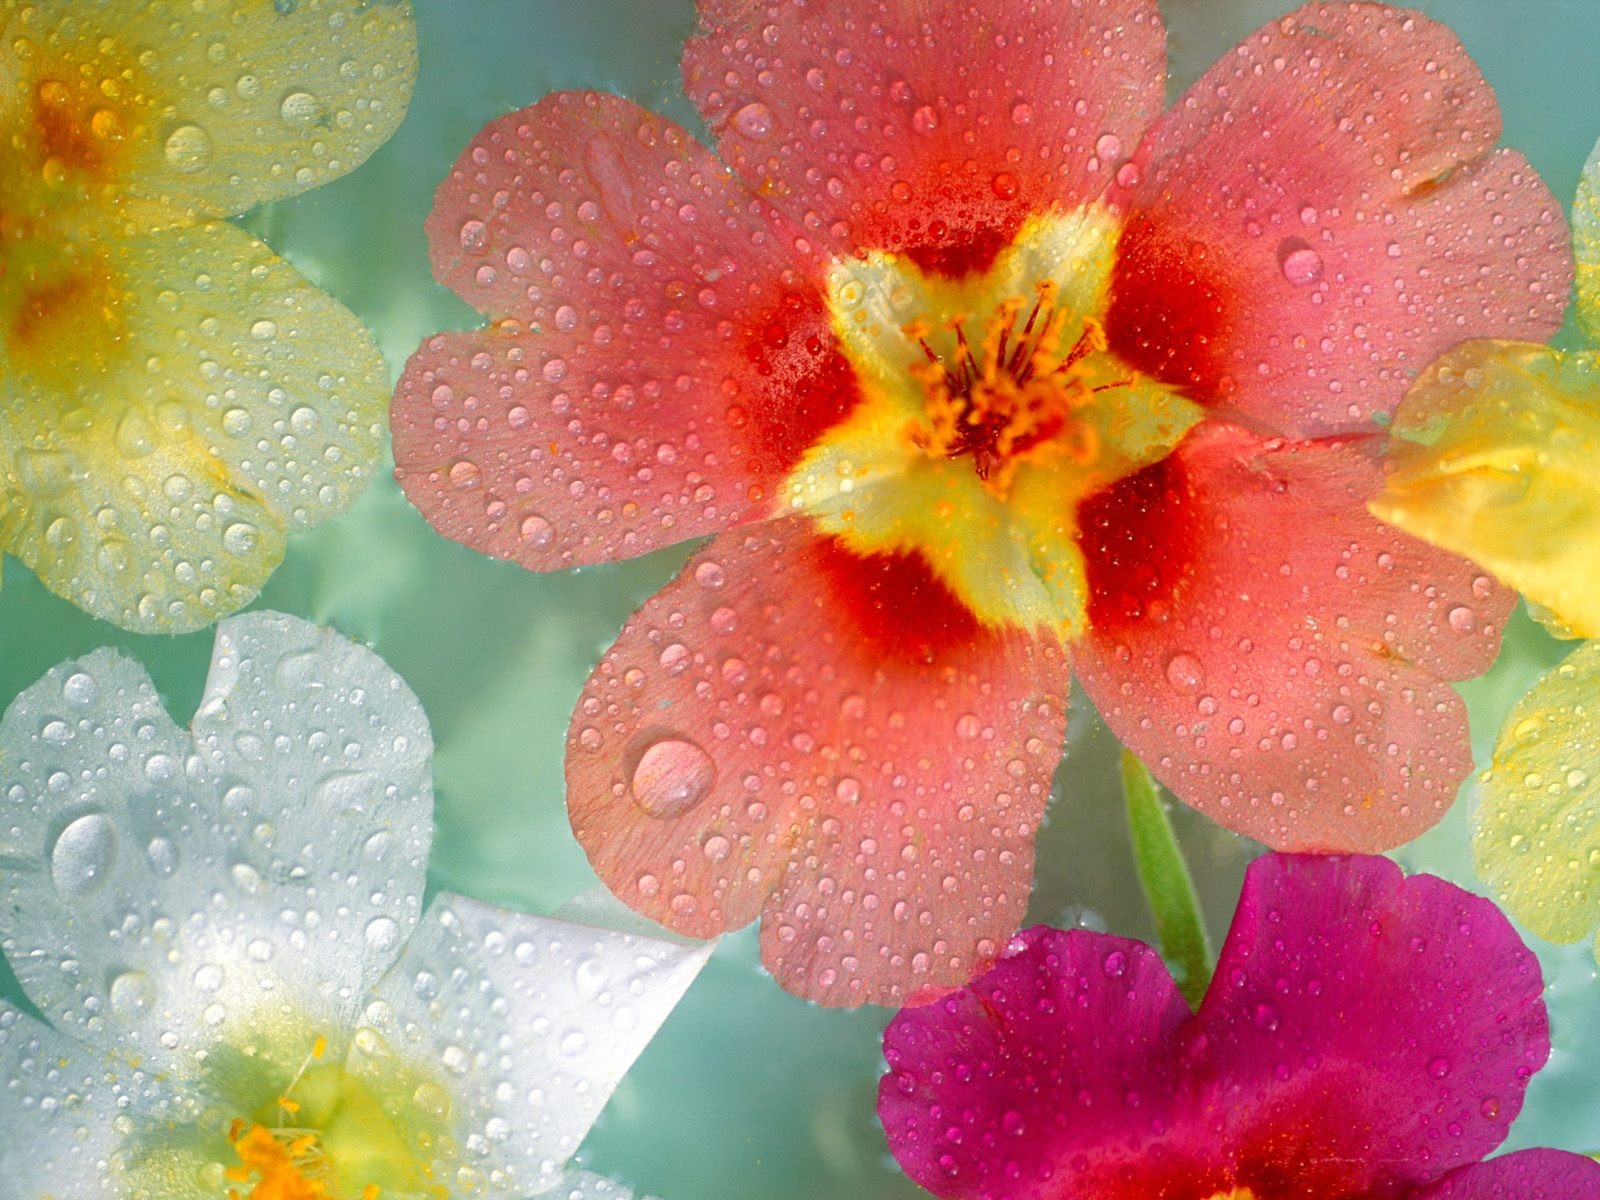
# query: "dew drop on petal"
{"points": [[671, 777], [1299, 263], [188, 149], [383, 933], [753, 120], [536, 531], [131, 994], [1184, 672], [83, 854]]}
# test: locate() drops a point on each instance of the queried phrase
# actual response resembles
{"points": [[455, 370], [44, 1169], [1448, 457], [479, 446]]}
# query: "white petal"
{"points": [[76, 1124], [162, 893], [531, 1022], [582, 1185]]}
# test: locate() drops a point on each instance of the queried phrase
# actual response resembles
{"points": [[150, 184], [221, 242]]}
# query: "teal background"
{"points": [[748, 1092]]}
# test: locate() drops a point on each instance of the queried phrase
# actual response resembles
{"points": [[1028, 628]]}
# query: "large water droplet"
{"points": [[382, 933], [754, 120], [83, 854], [188, 149], [1299, 263], [1185, 673], [132, 993], [300, 108], [671, 777]]}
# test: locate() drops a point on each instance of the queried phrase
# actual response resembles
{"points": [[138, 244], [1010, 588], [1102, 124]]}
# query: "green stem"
{"points": [[1166, 882]]}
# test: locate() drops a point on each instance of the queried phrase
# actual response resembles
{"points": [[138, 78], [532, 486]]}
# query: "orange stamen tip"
{"points": [[319, 1047], [289, 1106], [370, 1192]]}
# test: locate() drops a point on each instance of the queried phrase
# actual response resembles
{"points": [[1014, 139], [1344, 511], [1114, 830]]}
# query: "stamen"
{"points": [[1012, 395]]}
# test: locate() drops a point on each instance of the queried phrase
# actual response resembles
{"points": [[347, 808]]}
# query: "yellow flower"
{"points": [[1492, 456], [174, 398]]}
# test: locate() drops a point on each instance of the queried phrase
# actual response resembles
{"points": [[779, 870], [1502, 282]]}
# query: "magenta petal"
{"points": [[1065, 1057], [1367, 1030], [1529, 1175]]}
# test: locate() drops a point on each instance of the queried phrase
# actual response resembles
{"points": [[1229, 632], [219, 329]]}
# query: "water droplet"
{"points": [[1439, 1067], [80, 688], [83, 854], [383, 933], [1461, 619], [1185, 673], [1299, 263], [1107, 147], [754, 120], [536, 531], [239, 538], [163, 856], [1115, 964], [925, 120], [132, 993], [1022, 114], [188, 149], [300, 108], [671, 777]]}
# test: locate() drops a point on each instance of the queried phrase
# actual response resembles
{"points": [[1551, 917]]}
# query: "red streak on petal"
{"points": [[807, 384], [967, 256], [901, 610], [1169, 310], [1140, 538]]}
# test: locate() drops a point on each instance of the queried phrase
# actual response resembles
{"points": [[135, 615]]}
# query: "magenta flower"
{"points": [[1365, 1036], [980, 370]]}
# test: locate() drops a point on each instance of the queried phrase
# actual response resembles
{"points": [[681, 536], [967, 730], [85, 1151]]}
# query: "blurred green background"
{"points": [[748, 1092]]}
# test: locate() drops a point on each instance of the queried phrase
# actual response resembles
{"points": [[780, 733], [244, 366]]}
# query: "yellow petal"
{"points": [[1492, 456], [1536, 837], [150, 475], [207, 107], [1586, 246]]}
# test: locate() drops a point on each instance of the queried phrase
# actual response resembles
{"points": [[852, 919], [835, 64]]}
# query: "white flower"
{"points": [[224, 931]]}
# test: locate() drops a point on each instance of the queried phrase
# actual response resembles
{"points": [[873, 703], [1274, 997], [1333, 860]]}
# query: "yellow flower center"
{"points": [[329, 1135], [990, 407], [1016, 399]]}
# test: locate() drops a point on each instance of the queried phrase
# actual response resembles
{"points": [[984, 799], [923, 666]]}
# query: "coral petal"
{"points": [[1276, 655], [992, 1091], [754, 743], [659, 366], [1331, 183], [846, 113], [1368, 1032]]}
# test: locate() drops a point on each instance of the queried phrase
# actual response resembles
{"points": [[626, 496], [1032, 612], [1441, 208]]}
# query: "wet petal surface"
{"points": [[1491, 456], [856, 120], [1536, 834], [224, 401], [1275, 655], [166, 890], [1322, 214], [829, 741]]}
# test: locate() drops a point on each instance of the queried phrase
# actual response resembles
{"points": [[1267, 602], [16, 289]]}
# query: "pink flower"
{"points": [[1365, 1036], [979, 369]]}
